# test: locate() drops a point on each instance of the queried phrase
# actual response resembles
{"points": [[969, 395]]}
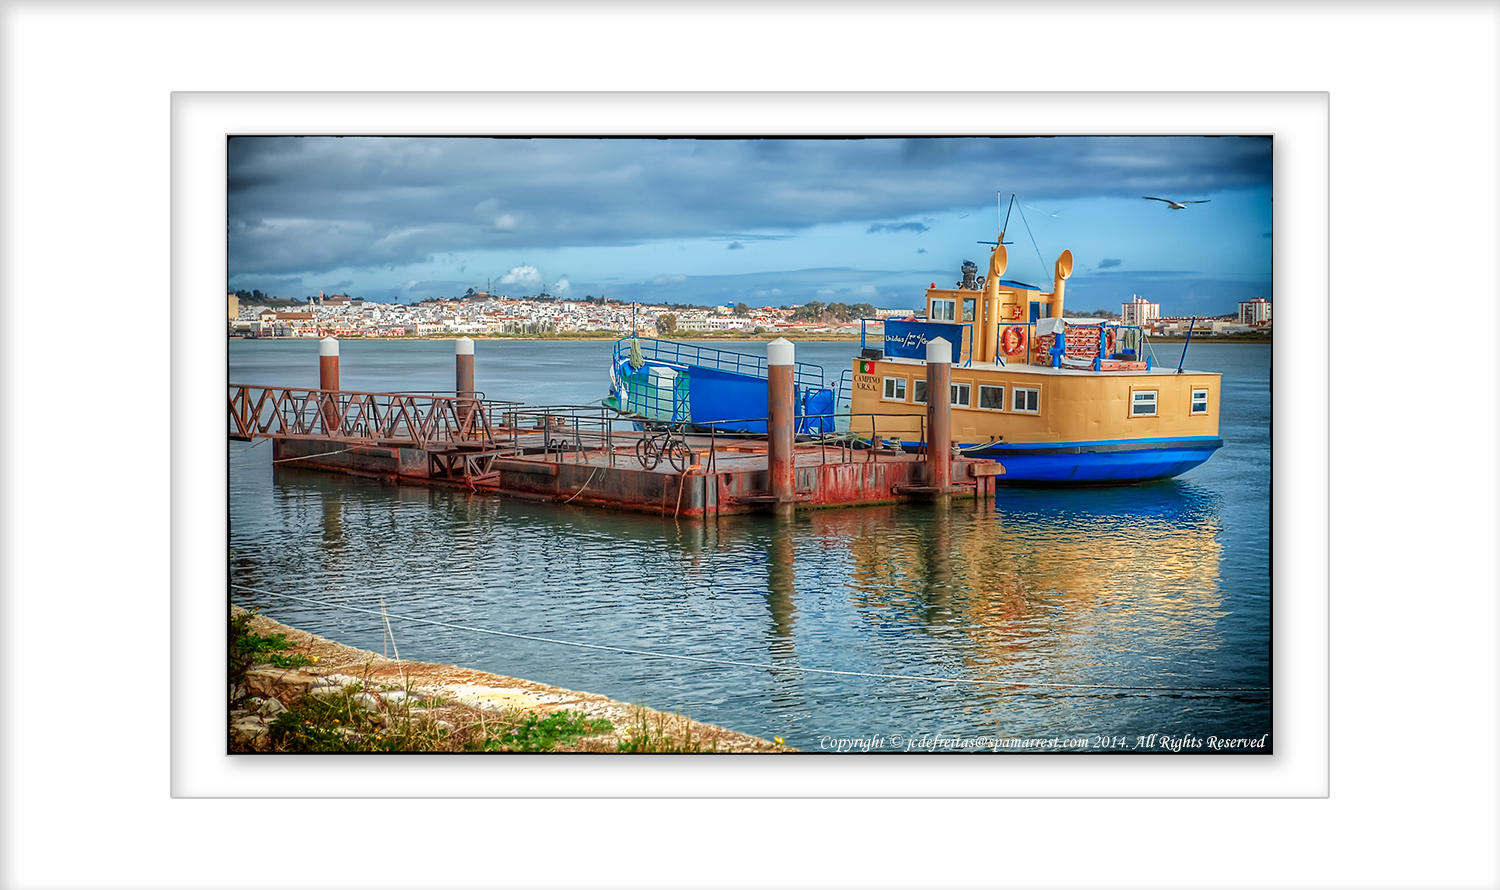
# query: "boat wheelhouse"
{"points": [[1055, 400]]}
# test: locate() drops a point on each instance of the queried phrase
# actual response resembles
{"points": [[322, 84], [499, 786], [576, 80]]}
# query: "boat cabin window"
{"points": [[968, 308], [1200, 400], [958, 395], [941, 310], [992, 397], [1143, 403], [1025, 399], [895, 389], [919, 391]]}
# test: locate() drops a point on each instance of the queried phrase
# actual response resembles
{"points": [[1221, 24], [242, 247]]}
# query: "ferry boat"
{"points": [[661, 382], [1055, 400]]}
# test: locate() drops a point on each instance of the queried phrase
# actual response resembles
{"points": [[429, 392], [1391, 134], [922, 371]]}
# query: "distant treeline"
{"points": [[259, 299]]}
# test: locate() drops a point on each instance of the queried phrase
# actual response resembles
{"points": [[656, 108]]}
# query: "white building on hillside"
{"points": [[729, 323], [1139, 311], [1256, 311]]}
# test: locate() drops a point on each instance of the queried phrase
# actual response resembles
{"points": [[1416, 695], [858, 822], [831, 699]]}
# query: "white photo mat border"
{"points": [[1297, 121]]}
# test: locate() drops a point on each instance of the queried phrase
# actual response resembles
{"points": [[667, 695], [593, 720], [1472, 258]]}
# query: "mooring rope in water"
{"points": [[307, 456], [1105, 687], [681, 484], [585, 485]]}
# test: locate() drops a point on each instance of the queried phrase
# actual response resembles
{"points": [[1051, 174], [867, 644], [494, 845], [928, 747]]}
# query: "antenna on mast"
{"points": [[1005, 222]]}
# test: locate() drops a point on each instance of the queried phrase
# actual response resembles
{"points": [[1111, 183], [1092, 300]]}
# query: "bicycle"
{"points": [[669, 443]]}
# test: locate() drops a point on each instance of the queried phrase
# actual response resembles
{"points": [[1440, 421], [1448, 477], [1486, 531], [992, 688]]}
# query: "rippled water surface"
{"points": [[1162, 585]]}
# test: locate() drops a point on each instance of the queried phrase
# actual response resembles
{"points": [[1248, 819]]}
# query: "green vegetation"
{"points": [[833, 313], [658, 733], [536, 733], [247, 649], [257, 298], [1205, 337], [366, 717], [344, 722]]}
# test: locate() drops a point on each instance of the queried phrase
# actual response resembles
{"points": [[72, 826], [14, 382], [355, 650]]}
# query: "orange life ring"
{"points": [[1109, 341], [1012, 339]]}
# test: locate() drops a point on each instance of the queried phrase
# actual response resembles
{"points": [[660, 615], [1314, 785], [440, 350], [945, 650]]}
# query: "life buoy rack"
{"points": [[1012, 340], [1042, 354]]}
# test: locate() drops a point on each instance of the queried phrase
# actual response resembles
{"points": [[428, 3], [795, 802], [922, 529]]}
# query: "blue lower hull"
{"points": [[1098, 463]]}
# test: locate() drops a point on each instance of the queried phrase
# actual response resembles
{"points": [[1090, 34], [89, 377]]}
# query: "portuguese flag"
{"points": [[866, 367]]}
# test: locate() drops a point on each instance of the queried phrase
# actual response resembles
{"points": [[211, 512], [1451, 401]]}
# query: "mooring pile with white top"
{"points": [[939, 425], [781, 411], [463, 380], [463, 360], [328, 379]]}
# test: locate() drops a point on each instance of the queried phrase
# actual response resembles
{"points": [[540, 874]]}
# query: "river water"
{"points": [[976, 624]]}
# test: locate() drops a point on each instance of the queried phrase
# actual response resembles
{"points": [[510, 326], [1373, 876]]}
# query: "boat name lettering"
{"points": [[911, 340]]}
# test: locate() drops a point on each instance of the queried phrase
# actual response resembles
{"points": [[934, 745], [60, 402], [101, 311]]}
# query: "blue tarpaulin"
{"points": [[908, 339]]}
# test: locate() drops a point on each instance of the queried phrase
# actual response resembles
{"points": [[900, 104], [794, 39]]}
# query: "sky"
{"points": [[762, 221]]}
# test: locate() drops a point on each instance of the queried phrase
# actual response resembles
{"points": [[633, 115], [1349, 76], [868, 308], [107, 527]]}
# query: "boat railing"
{"points": [[846, 446], [477, 395], [844, 395], [1088, 344], [572, 432], [679, 353], [648, 399], [468, 437], [351, 416], [558, 431]]}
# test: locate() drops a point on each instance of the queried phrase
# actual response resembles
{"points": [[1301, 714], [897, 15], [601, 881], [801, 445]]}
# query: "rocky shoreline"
{"points": [[444, 707]]}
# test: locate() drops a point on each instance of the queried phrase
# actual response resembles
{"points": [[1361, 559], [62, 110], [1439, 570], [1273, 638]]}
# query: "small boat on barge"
{"points": [[666, 382], [1055, 400]]}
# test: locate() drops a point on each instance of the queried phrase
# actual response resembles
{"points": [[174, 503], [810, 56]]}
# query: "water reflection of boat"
{"points": [[1051, 584], [1054, 583], [1164, 502], [1055, 400]]}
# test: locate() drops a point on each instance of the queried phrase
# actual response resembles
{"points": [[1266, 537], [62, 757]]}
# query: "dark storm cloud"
{"points": [[735, 245], [421, 290], [282, 285], [304, 206], [896, 227], [1108, 263]]}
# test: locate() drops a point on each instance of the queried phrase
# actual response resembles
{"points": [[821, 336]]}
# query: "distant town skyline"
{"points": [[760, 221]]}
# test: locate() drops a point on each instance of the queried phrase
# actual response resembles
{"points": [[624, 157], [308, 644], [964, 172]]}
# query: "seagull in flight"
{"points": [[1175, 205]]}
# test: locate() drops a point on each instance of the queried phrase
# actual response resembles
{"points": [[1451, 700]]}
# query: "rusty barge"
{"points": [[589, 455]]}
